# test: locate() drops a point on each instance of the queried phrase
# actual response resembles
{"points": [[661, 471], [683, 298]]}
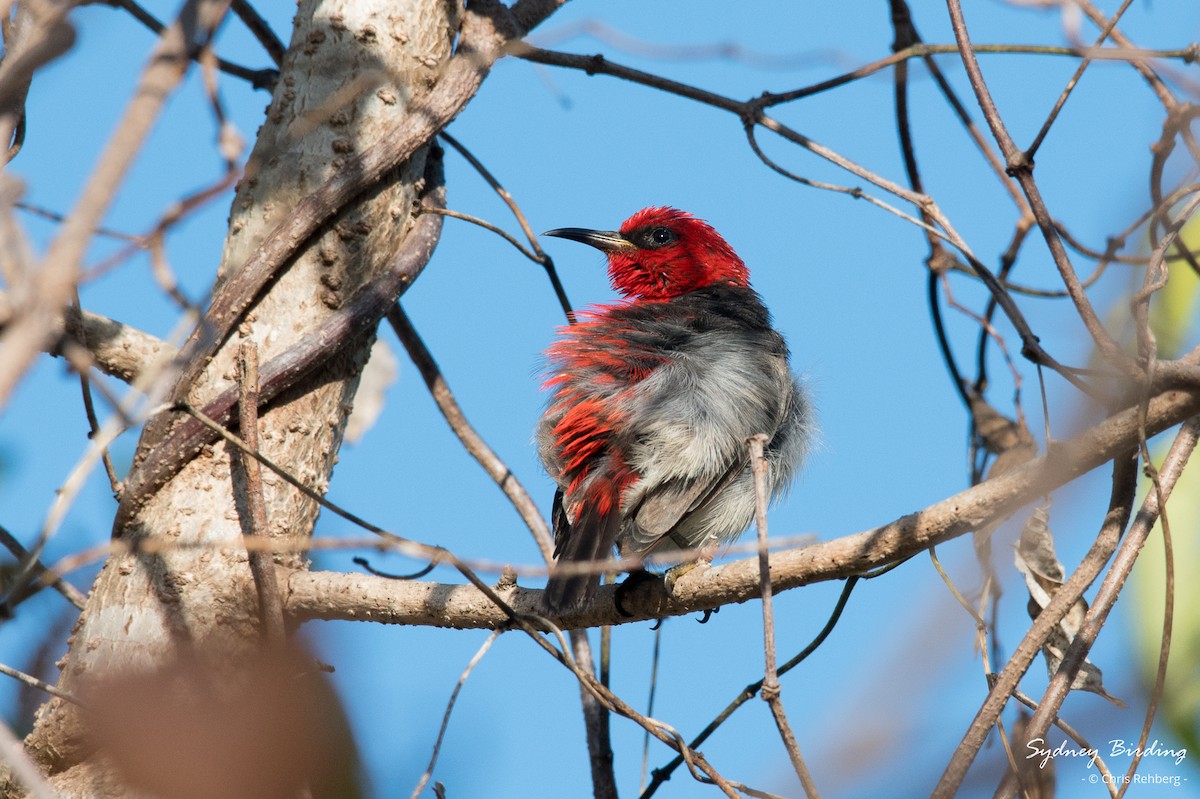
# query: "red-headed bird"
{"points": [[653, 400]]}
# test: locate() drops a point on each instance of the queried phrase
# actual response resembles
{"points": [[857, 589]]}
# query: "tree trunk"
{"points": [[353, 70]]}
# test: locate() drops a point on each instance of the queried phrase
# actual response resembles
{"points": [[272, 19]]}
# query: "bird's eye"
{"points": [[655, 237]]}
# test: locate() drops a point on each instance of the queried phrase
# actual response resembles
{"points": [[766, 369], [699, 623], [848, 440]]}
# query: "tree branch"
{"points": [[486, 28], [335, 596], [38, 320], [285, 370], [117, 349]]}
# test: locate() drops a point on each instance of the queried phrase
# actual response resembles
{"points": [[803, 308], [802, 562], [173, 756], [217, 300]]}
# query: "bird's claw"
{"points": [[630, 583], [675, 572]]}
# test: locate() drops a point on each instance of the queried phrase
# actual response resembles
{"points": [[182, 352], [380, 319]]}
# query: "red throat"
{"points": [[694, 256]]}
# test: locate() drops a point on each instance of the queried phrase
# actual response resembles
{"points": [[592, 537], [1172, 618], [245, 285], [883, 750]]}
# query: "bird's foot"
{"points": [[675, 572], [630, 583], [672, 576]]}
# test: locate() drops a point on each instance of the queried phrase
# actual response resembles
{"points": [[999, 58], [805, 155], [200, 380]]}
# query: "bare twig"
{"points": [[462, 680], [258, 78], [470, 438], [89, 407], [254, 513], [40, 318], [661, 775], [261, 30], [1142, 65], [1109, 25], [539, 255], [771, 691], [41, 685], [596, 724], [926, 51], [1124, 484], [1021, 167], [1114, 580], [486, 225], [70, 592]]}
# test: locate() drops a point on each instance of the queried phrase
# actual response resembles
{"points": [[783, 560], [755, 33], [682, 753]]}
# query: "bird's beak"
{"points": [[606, 240]]}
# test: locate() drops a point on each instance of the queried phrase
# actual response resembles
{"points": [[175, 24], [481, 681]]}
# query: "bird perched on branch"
{"points": [[653, 400]]}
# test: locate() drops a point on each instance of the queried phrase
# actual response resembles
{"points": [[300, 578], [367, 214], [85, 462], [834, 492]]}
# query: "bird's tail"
{"points": [[591, 537]]}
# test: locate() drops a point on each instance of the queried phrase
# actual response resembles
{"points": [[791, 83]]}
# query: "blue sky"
{"points": [[880, 706]]}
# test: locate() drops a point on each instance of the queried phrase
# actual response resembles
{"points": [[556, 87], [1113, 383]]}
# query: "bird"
{"points": [[652, 400]]}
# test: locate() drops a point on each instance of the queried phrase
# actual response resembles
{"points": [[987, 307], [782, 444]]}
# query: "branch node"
{"points": [[1018, 163]]}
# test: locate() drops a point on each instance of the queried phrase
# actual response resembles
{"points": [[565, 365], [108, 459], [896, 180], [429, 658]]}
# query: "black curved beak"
{"points": [[606, 240]]}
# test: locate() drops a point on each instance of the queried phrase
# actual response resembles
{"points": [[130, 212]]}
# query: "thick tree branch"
{"points": [[287, 369], [487, 27], [117, 349], [332, 596]]}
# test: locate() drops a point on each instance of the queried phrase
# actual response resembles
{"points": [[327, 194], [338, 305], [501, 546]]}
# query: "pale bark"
{"points": [[334, 595], [353, 71]]}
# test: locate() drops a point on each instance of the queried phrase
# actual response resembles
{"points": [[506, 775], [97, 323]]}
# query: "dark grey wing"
{"points": [[559, 522], [591, 537], [661, 511]]}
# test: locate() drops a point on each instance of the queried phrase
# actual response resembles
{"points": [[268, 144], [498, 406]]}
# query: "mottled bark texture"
{"points": [[354, 69]]}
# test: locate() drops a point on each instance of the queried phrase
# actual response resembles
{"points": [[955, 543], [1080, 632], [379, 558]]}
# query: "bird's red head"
{"points": [[660, 253]]}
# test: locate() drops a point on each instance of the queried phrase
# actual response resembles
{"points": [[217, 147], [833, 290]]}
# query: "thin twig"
{"points": [[1032, 149], [258, 78], [654, 661], [661, 775], [1110, 587], [70, 592], [1142, 65], [926, 51], [261, 30], [471, 440], [54, 216], [89, 408], [486, 225], [539, 255], [771, 690], [596, 724], [1022, 169], [41, 685], [1124, 484], [905, 36], [254, 514], [462, 680]]}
